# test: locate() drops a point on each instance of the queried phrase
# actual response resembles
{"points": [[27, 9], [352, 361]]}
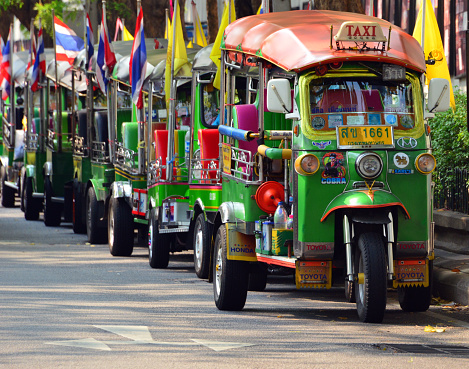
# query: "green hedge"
{"points": [[450, 139]]}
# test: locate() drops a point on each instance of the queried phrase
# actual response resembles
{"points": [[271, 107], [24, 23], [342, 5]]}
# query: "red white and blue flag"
{"points": [[67, 43], [5, 70], [2, 45], [105, 60], [89, 43], [138, 62], [39, 67]]}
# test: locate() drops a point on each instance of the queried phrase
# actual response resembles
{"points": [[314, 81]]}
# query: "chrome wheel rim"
{"points": [[218, 270], [361, 287], [198, 247], [111, 227], [150, 240]]}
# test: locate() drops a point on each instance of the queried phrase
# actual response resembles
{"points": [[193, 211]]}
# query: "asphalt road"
{"points": [[67, 304]]}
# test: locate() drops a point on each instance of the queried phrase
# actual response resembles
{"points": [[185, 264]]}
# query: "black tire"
{"points": [[79, 226], [52, 211], [370, 259], [22, 190], [158, 244], [96, 234], [201, 242], [31, 209], [415, 299], [7, 193], [120, 228], [257, 277], [230, 277]]}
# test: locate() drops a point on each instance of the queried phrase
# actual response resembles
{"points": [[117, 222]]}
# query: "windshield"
{"points": [[349, 101]]}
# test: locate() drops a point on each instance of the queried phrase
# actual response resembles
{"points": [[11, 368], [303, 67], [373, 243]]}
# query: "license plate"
{"points": [[365, 137], [313, 274]]}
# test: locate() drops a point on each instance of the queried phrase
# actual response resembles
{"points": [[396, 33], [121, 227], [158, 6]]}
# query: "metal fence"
{"points": [[451, 192]]}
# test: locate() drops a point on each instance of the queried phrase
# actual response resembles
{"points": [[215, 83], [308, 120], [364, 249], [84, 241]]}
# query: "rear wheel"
{"points": [[120, 228], [230, 282], [31, 209], [370, 261], [95, 233], [52, 211], [257, 277], [77, 208], [7, 193], [158, 244], [201, 244], [417, 298]]}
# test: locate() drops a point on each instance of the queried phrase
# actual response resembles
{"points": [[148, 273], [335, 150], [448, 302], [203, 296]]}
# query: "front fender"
{"points": [[47, 169], [30, 170], [364, 200], [121, 189]]}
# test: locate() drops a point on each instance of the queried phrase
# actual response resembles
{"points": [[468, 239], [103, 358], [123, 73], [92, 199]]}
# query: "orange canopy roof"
{"points": [[300, 39]]}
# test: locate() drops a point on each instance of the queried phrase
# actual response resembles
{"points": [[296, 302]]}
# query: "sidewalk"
{"points": [[451, 265]]}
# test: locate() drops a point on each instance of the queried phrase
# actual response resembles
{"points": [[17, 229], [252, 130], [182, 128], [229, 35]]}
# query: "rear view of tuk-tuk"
{"points": [[357, 182]]}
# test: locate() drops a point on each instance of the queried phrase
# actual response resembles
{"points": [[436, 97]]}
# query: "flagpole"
{"points": [[89, 85], [140, 118], [12, 87], [28, 91], [58, 108], [42, 114], [172, 91], [422, 38]]}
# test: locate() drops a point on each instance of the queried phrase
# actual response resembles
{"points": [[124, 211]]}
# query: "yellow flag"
{"points": [[216, 53], [199, 36], [180, 54], [127, 35], [433, 46], [167, 27]]}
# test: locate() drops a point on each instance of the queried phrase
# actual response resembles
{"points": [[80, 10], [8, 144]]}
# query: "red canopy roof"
{"points": [[298, 40]]}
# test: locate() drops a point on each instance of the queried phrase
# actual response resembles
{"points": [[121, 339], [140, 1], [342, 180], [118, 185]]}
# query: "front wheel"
{"points": [[370, 262], [416, 298], [158, 244], [230, 282], [120, 228], [201, 244], [95, 233], [31, 210]]}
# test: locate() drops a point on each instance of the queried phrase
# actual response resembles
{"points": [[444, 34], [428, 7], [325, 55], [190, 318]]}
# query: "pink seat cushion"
{"points": [[208, 139]]}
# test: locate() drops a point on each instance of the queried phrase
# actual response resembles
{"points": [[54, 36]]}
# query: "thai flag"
{"points": [[39, 67], [105, 59], [5, 70], [138, 62], [89, 43], [32, 51], [67, 43]]}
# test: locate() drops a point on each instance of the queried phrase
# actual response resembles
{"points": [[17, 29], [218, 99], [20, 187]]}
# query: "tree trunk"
{"points": [[212, 20], [353, 6]]}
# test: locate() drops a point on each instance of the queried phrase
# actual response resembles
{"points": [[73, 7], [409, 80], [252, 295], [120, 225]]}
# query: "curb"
{"points": [[450, 285]]}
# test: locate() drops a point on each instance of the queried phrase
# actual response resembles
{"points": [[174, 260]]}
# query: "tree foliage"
{"points": [[450, 139]]}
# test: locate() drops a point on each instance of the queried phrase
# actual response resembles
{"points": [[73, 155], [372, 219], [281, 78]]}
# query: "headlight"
{"points": [[369, 165], [307, 164], [425, 163]]}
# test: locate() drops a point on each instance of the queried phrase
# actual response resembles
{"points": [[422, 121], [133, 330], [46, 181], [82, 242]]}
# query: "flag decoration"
{"points": [[433, 46], [215, 55], [180, 53], [105, 60], [5, 69], [39, 66], [126, 35], [2, 45], [32, 50], [199, 36], [138, 62], [67, 43], [167, 26], [264, 7], [89, 43]]}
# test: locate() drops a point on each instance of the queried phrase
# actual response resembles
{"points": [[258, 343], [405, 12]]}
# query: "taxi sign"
{"points": [[365, 137], [360, 32]]}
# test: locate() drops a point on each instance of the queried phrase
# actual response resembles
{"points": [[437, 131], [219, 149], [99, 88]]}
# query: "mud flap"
{"points": [[313, 274], [240, 246], [411, 273]]}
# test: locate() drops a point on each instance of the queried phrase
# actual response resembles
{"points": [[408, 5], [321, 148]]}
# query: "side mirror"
{"points": [[438, 95], [279, 96]]}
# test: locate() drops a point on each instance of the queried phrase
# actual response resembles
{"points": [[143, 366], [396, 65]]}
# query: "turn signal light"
{"points": [[307, 164], [425, 163]]}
